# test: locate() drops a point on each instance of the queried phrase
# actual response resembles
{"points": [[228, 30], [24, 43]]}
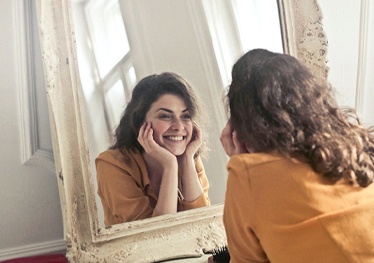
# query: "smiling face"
{"points": [[171, 123]]}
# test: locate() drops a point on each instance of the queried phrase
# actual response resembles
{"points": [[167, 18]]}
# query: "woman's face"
{"points": [[171, 123]]}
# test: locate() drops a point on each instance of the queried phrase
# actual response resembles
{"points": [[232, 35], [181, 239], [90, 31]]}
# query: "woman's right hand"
{"points": [[152, 148], [230, 142], [167, 193]]}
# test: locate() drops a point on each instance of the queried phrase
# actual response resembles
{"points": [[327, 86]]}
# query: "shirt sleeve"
{"points": [[123, 200], [243, 244], [203, 199]]}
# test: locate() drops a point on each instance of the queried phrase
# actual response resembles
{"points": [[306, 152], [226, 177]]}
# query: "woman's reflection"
{"points": [[154, 168]]}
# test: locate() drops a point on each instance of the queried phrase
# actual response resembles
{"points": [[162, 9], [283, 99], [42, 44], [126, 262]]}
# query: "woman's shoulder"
{"points": [[272, 166], [198, 163], [266, 162], [256, 159], [119, 157], [111, 154]]}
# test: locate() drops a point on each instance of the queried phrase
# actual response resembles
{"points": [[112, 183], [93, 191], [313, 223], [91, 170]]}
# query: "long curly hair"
{"points": [[146, 92], [277, 104]]}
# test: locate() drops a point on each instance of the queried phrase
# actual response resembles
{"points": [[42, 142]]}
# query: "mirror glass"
{"points": [[121, 41]]}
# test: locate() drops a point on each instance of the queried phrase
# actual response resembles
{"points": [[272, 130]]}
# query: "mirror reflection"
{"points": [[154, 166], [119, 42]]}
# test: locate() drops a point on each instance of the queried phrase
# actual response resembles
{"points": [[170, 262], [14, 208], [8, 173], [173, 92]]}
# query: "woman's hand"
{"points": [[230, 142], [190, 184], [166, 187], [196, 141], [152, 148]]}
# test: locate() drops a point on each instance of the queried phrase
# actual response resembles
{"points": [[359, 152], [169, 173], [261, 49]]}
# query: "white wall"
{"points": [[349, 26], [30, 214]]}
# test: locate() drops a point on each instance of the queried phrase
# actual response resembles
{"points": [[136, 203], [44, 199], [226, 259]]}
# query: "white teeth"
{"points": [[175, 138]]}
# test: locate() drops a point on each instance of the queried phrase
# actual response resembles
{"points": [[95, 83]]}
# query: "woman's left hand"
{"points": [[196, 141]]}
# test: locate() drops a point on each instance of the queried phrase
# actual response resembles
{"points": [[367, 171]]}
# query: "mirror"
{"points": [[116, 48], [188, 233]]}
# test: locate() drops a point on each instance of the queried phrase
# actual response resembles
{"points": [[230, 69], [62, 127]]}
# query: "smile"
{"points": [[174, 138]]}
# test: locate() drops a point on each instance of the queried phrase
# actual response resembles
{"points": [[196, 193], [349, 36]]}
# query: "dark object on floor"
{"points": [[220, 255], [54, 258]]}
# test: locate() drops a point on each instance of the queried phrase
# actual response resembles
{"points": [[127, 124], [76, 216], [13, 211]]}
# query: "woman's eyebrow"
{"points": [[164, 109], [170, 111]]}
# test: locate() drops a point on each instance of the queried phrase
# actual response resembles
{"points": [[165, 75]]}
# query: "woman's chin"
{"points": [[177, 152]]}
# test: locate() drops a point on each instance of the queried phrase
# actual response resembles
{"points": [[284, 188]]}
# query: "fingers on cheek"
{"points": [[150, 134], [142, 131]]}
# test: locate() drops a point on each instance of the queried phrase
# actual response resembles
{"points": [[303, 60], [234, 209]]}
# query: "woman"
{"points": [[301, 169], [154, 167]]}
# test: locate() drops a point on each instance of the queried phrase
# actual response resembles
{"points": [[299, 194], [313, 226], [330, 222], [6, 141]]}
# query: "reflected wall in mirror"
{"points": [[121, 41], [188, 233]]}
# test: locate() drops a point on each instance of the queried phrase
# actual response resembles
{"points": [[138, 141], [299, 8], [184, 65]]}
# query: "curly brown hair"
{"points": [[146, 92], [277, 104]]}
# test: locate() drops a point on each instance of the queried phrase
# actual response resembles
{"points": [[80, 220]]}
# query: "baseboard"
{"points": [[51, 247]]}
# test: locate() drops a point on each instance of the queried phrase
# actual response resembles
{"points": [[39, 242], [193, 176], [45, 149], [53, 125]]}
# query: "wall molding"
{"points": [[30, 152], [42, 158], [362, 55], [50, 247]]}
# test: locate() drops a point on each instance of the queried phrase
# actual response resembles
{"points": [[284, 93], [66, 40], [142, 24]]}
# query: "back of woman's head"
{"points": [[277, 104], [146, 92]]}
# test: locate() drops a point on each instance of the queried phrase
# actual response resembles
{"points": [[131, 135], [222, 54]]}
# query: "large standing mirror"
{"points": [[121, 41], [207, 43]]}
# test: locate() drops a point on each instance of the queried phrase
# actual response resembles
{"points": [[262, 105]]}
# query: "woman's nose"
{"points": [[177, 125]]}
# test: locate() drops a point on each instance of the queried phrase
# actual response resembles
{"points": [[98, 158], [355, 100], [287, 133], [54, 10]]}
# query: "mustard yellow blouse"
{"points": [[125, 190], [280, 210]]}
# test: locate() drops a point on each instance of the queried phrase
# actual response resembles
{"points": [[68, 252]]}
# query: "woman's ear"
{"points": [[249, 148]]}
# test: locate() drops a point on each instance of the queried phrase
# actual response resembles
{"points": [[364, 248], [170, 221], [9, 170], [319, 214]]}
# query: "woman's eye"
{"points": [[165, 116], [186, 117]]}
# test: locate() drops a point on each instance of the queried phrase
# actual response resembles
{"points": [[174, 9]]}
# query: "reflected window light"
{"points": [[258, 24], [131, 77], [88, 83], [108, 33], [115, 101], [237, 26]]}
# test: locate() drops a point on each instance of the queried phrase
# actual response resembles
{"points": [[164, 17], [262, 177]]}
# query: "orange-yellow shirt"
{"points": [[280, 210], [125, 190]]}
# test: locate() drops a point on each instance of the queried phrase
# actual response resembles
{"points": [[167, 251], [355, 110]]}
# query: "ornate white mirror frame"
{"points": [[165, 237]]}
